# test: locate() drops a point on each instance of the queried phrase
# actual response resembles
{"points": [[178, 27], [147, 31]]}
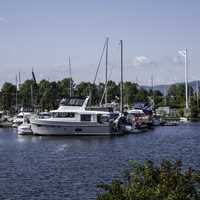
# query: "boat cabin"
{"points": [[74, 110]]}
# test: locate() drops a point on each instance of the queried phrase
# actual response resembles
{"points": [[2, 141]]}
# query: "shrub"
{"points": [[149, 182]]}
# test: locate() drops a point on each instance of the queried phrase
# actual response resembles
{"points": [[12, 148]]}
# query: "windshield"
{"points": [[74, 101]]}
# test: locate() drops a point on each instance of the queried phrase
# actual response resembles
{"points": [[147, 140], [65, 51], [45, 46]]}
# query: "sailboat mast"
{"points": [[121, 84], [19, 82], [16, 97], [70, 78], [32, 103], [152, 88], [197, 92], [186, 80], [106, 93]]}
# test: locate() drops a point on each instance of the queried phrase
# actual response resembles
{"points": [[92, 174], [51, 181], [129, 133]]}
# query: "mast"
{"points": [[70, 78], [19, 82], [106, 93], [32, 95], [152, 88], [186, 80], [95, 77], [121, 84], [197, 91], [16, 97]]}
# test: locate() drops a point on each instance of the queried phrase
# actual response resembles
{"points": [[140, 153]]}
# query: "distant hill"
{"points": [[164, 88]]}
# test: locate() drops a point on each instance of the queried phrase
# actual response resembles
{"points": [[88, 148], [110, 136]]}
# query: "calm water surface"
{"points": [[71, 167]]}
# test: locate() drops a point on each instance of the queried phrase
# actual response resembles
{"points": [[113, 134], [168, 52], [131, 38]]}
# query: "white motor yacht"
{"points": [[73, 118]]}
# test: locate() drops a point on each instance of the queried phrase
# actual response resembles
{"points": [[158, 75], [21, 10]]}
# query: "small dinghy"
{"points": [[24, 128]]}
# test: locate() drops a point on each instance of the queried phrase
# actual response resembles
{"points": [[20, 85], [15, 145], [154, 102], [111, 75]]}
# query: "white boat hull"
{"points": [[69, 128], [24, 129]]}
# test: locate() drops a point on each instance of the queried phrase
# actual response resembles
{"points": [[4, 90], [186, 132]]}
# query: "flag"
{"points": [[182, 53]]}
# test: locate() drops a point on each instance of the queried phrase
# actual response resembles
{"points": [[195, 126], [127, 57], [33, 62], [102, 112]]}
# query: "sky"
{"points": [[42, 34]]}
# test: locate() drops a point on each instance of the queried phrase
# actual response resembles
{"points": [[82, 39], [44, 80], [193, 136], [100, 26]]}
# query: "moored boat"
{"points": [[24, 129], [5, 120], [72, 118], [170, 123], [19, 119]]}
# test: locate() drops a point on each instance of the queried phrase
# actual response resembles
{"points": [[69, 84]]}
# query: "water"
{"points": [[71, 167]]}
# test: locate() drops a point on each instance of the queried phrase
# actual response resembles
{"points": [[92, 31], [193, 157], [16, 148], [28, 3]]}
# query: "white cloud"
{"points": [[2, 19], [142, 61], [177, 60]]}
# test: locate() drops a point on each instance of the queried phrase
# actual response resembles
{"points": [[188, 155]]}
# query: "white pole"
{"points": [[106, 92], [121, 84], [197, 92], [186, 80], [16, 99]]}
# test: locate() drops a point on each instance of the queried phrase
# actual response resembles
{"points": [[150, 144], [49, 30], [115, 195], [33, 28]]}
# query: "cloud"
{"points": [[178, 60], [2, 19], [142, 61]]}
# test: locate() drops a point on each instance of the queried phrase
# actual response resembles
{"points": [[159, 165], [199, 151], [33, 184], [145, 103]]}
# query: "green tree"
{"points": [[28, 93], [149, 182], [130, 92], [8, 96], [44, 86], [87, 89], [142, 95], [64, 87], [158, 98], [113, 91], [53, 96], [176, 95], [194, 110]]}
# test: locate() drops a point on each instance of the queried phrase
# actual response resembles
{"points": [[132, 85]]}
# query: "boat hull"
{"points": [[24, 129], [69, 128]]}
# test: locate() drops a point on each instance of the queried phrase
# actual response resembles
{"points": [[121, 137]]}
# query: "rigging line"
{"points": [[106, 86], [100, 61]]}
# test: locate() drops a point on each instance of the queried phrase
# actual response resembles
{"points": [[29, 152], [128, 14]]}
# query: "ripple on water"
{"points": [[71, 167]]}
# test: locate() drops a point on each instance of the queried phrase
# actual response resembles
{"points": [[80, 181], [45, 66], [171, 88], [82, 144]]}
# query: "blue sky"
{"points": [[43, 33]]}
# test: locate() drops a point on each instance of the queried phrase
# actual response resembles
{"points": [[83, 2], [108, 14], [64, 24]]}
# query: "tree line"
{"points": [[47, 94]]}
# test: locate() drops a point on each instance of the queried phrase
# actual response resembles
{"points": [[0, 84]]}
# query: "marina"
{"points": [[71, 167], [99, 100]]}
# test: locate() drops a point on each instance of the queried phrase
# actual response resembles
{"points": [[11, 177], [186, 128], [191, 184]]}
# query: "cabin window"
{"points": [[86, 118], [64, 115]]}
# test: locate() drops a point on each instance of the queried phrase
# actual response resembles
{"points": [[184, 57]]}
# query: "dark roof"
{"points": [[141, 105], [144, 106]]}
